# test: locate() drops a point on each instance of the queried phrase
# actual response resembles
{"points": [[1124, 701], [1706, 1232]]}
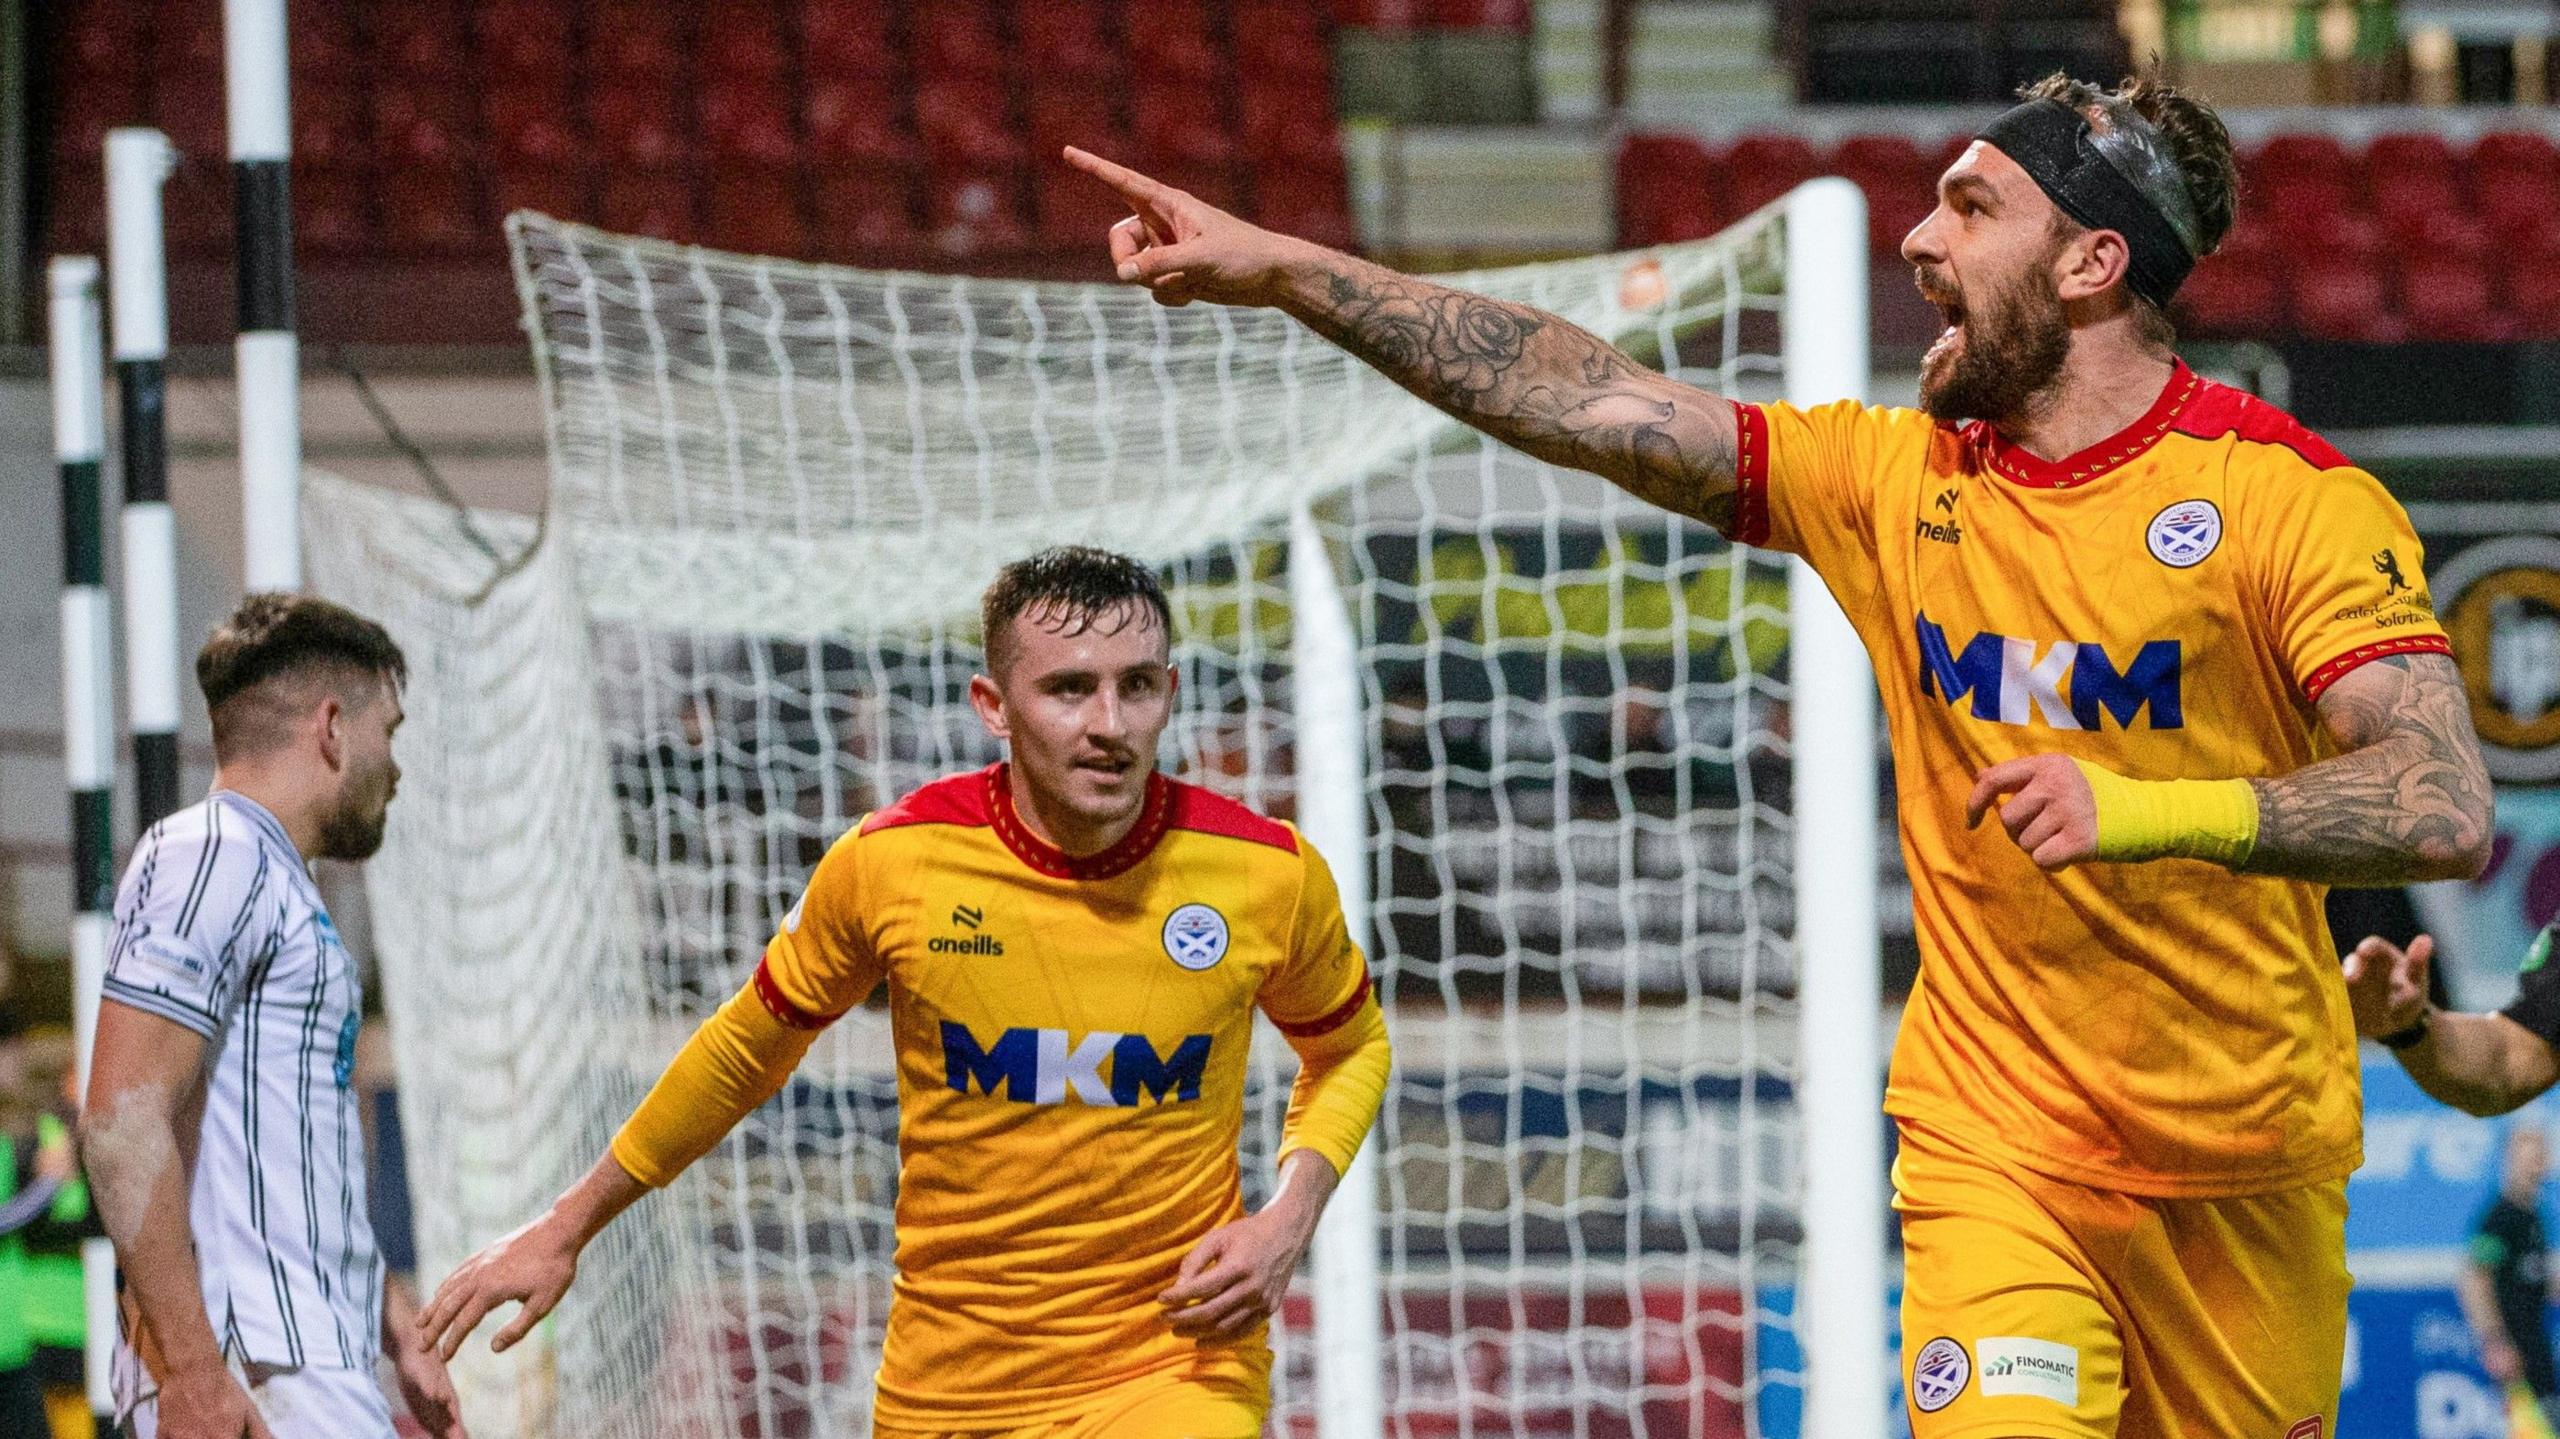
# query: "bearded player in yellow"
{"points": [[1074, 946], [2183, 651]]}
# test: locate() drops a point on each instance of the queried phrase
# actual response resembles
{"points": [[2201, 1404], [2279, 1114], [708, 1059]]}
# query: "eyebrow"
{"points": [[1978, 187]]}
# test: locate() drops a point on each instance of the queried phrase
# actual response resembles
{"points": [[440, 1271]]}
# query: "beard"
{"points": [[2007, 345], [353, 831]]}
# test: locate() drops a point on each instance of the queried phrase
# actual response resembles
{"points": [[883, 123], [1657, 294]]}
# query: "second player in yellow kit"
{"points": [[1074, 947]]}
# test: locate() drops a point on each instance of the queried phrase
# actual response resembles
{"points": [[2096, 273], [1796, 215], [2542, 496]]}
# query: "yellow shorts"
{"points": [[2034, 1307], [1169, 1405]]}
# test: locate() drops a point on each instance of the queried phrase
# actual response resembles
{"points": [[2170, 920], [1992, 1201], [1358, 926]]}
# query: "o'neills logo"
{"points": [[974, 944]]}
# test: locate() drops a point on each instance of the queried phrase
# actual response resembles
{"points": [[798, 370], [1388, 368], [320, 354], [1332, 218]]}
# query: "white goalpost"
{"points": [[1599, 788]]}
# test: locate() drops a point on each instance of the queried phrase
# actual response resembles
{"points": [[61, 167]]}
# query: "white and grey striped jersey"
{"points": [[219, 927]]}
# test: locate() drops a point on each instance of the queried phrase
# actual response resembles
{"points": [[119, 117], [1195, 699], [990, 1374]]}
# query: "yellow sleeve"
{"points": [[2343, 575], [819, 964], [1321, 1001]]}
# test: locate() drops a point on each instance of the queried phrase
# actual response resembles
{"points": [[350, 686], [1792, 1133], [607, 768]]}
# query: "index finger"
{"points": [[1133, 187], [1998, 780]]}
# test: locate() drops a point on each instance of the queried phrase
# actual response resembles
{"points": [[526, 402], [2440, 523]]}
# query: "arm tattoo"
{"points": [[2409, 800], [1536, 382]]}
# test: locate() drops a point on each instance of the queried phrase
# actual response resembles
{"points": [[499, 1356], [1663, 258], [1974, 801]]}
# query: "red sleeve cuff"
{"points": [[780, 1006], [1331, 1019], [1750, 476], [2319, 680]]}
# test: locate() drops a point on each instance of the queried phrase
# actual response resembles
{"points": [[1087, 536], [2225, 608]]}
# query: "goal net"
{"points": [[1541, 729]]}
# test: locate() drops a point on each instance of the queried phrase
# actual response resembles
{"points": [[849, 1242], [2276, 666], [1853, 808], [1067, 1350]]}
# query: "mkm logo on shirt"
{"points": [[2072, 684], [1048, 1066]]}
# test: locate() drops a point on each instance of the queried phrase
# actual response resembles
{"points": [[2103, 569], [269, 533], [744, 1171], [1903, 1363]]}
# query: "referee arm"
{"points": [[2481, 1064]]}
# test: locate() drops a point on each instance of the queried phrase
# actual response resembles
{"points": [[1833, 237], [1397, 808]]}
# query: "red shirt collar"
{"points": [[2072, 471], [1153, 820]]}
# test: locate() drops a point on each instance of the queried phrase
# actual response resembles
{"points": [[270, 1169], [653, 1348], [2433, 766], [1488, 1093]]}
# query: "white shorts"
{"points": [[295, 1403]]}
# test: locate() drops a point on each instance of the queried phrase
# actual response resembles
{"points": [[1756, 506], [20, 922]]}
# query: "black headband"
{"points": [[2050, 141]]}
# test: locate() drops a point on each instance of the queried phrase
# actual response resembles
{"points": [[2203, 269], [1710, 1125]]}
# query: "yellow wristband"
{"points": [[2139, 819]]}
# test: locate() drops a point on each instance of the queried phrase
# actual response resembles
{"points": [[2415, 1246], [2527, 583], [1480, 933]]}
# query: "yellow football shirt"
{"points": [[2170, 604], [1071, 1042]]}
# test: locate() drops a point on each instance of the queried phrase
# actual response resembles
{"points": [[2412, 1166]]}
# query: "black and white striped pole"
{"points": [[138, 164], [267, 357], [88, 711], [88, 638]]}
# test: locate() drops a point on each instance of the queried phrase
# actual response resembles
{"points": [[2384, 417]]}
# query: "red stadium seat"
{"points": [[2413, 153], [186, 37], [650, 202], [854, 121], [1512, 15], [189, 110], [1899, 180], [1378, 14], [2533, 295], [2506, 150], [757, 211], [844, 39], [1666, 190], [86, 111], [2233, 295], [75, 214], [418, 38], [424, 125], [197, 203], [748, 121], [864, 211], [965, 121], [2315, 154], [331, 216], [1075, 213], [1759, 168], [2446, 297], [743, 38], [99, 41], [1281, 41], [639, 122], [529, 41], [1288, 121], [1174, 41], [633, 38], [1087, 119], [1066, 41], [435, 212], [2338, 297], [1308, 204], [534, 127], [328, 127], [1181, 124], [561, 193], [322, 42], [956, 38]]}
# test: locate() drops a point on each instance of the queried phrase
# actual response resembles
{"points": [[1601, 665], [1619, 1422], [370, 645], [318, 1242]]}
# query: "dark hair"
{"points": [[1077, 583], [277, 636], [2177, 133]]}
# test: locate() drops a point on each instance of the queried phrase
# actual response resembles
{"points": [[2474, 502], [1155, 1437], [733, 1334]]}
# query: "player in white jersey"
{"points": [[221, 1130]]}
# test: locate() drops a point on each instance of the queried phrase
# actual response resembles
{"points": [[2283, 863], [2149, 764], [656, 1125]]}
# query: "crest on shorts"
{"points": [[2304, 1429], [1938, 1375], [2184, 533], [1195, 936]]}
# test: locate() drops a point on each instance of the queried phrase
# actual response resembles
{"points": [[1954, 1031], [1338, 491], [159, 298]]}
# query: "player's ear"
{"points": [[332, 724], [988, 701], [2090, 263]]}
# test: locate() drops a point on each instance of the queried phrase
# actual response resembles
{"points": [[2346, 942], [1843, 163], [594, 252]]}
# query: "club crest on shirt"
{"points": [[1938, 1375], [1195, 936], [2184, 533]]}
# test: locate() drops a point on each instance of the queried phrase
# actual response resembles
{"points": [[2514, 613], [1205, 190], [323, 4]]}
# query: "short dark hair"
{"points": [[1078, 583], [2185, 135], [276, 636]]}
